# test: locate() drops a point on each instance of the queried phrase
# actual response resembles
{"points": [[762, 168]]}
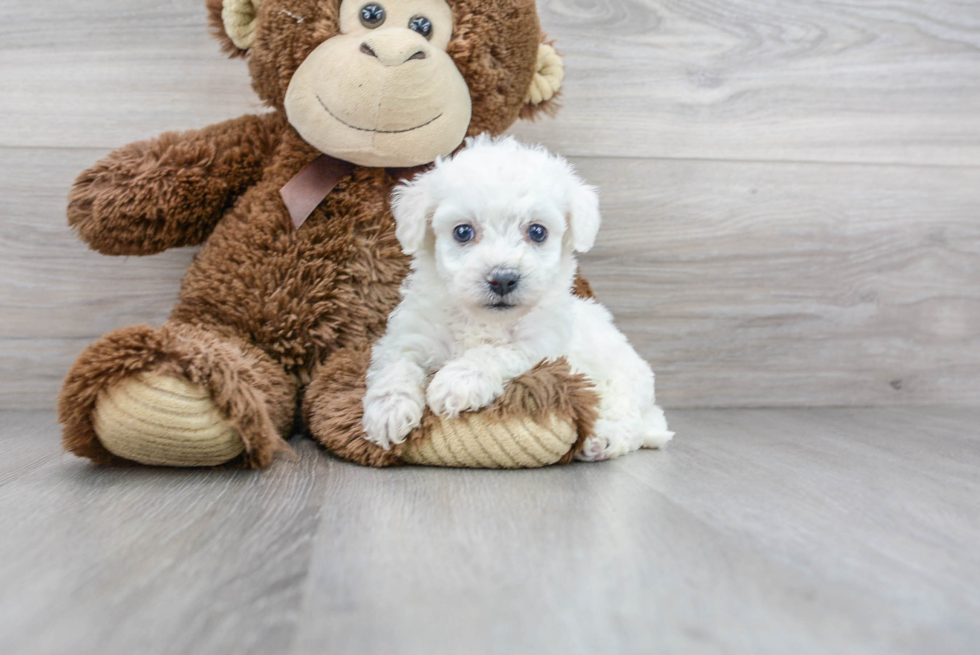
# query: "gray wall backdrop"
{"points": [[791, 188]]}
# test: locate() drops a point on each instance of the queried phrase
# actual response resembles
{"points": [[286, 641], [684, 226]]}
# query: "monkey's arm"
{"points": [[169, 191]]}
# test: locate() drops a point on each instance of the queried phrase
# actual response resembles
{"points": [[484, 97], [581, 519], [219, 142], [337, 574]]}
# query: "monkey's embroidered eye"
{"points": [[537, 233], [464, 233], [422, 25], [372, 15]]}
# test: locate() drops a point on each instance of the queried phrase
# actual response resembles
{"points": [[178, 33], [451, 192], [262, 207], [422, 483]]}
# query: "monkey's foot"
{"points": [[180, 395], [163, 420]]}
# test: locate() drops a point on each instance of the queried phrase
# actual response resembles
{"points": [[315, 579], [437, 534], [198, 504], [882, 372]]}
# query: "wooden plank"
{"points": [[800, 80], [743, 283], [84, 76], [32, 370], [28, 441], [796, 80], [774, 531], [755, 531], [51, 284], [156, 561], [789, 284]]}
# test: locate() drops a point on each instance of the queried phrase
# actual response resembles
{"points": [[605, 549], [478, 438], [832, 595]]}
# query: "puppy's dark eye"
{"points": [[372, 15], [537, 233], [464, 233], [422, 25]]}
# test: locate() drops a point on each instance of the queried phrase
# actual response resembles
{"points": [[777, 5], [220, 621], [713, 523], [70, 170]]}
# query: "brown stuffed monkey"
{"points": [[300, 266]]}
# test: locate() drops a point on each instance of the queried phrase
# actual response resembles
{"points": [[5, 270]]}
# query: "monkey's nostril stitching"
{"points": [[417, 55], [366, 49]]}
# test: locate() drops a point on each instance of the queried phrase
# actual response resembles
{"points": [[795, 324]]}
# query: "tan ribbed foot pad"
{"points": [[162, 420], [478, 441]]}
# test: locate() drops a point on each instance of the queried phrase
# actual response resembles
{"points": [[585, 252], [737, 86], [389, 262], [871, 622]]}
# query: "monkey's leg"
{"points": [[181, 395]]}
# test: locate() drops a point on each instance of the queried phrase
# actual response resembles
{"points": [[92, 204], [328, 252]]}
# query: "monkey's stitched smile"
{"points": [[366, 129]]}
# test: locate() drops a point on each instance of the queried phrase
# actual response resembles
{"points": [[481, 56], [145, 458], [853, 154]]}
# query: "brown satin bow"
{"points": [[313, 184]]}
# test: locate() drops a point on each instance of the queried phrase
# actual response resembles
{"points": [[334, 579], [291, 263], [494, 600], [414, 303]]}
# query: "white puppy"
{"points": [[493, 231]]}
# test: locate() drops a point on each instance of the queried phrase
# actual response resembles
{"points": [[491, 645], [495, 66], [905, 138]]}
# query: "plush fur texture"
{"points": [[255, 394], [265, 306], [493, 232], [170, 191]]}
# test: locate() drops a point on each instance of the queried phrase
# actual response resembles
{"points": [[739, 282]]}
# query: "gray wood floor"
{"points": [[756, 531]]}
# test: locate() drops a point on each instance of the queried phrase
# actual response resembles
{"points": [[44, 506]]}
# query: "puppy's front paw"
{"points": [[391, 415], [461, 387]]}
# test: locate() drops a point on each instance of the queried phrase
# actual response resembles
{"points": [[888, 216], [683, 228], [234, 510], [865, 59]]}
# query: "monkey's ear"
{"points": [[234, 22], [546, 83], [583, 216], [411, 205]]}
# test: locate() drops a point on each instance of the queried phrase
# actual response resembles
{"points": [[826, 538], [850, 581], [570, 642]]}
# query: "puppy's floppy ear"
{"points": [[583, 216], [411, 204]]}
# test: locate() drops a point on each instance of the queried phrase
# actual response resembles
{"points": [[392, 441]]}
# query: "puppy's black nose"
{"points": [[503, 282]]}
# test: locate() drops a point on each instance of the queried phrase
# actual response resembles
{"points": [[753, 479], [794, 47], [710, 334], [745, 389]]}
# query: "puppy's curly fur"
{"points": [[493, 232]]}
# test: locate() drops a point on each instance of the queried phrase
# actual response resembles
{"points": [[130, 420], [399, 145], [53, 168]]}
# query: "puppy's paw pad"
{"points": [[459, 388], [594, 449], [390, 418], [610, 439]]}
